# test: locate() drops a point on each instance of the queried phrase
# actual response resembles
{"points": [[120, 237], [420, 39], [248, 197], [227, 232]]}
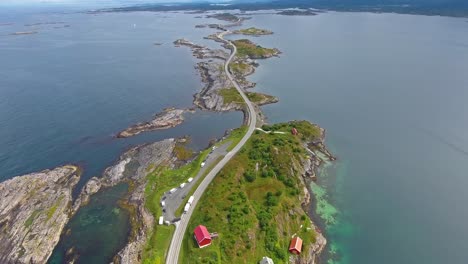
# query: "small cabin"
{"points": [[296, 246], [294, 131], [202, 236]]}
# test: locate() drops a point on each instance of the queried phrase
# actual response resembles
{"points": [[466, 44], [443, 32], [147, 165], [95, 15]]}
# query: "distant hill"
{"points": [[457, 8]]}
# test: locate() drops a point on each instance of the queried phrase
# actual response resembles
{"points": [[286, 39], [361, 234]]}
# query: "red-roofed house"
{"points": [[294, 131], [202, 236], [296, 245]]}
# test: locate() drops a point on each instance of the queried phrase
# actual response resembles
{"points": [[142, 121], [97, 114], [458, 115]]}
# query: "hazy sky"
{"points": [[87, 2]]}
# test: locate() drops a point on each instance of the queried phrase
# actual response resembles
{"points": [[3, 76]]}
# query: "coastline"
{"points": [[209, 98]]}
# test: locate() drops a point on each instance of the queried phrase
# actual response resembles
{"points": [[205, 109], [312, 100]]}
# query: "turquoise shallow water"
{"points": [[97, 229]]}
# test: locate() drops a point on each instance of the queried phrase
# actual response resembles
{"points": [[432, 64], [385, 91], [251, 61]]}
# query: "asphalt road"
{"points": [[174, 200], [181, 226]]}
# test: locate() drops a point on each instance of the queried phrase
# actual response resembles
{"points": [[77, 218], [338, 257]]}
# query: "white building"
{"points": [[266, 260]]}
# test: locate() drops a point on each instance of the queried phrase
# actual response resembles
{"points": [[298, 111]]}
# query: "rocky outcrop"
{"points": [[215, 79], [169, 118], [202, 52], [34, 209]]}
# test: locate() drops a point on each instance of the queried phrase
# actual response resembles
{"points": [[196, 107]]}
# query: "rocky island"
{"points": [[34, 209], [296, 12], [218, 95], [253, 31], [170, 117]]}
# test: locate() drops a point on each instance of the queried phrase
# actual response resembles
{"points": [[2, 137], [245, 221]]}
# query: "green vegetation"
{"points": [[254, 31], [260, 98], [31, 218], [182, 152], [246, 48], [231, 95], [160, 240], [239, 68], [235, 136], [179, 210], [160, 181], [254, 203], [51, 210]]}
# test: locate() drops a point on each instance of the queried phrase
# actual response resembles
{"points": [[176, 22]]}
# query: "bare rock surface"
{"points": [[34, 209]]}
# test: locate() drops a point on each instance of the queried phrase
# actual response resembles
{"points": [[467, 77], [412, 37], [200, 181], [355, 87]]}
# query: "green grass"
{"points": [[231, 95], [31, 218], [246, 48], [239, 68], [259, 97], [179, 210], [236, 136], [159, 181], [182, 152], [162, 240], [254, 202]]}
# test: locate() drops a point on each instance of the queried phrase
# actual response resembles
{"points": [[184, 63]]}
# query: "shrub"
{"points": [[249, 176]]}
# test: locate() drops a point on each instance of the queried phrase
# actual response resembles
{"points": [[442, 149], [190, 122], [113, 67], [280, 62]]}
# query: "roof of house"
{"points": [[296, 243], [201, 233]]}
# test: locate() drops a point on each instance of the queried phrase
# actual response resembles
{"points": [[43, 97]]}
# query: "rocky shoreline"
{"points": [[132, 167], [34, 209], [311, 166]]}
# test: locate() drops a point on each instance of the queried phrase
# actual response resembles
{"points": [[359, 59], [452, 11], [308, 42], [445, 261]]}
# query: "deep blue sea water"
{"points": [[65, 91]]}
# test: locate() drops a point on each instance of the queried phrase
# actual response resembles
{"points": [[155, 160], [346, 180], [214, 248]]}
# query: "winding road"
{"points": [[181, 226]]}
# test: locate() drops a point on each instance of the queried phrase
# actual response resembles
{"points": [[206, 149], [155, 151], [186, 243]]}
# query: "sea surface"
{"points": [[391, 91]]}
